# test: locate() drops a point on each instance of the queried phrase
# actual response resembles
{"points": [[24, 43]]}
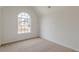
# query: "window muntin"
{"points": [[24, 23]]}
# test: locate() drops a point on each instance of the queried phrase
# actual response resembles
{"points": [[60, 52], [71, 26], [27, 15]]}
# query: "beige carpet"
{"points": [[34, 45]]}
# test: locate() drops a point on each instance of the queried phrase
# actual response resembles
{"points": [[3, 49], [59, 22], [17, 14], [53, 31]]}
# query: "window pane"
{"points": [[24, 23]]}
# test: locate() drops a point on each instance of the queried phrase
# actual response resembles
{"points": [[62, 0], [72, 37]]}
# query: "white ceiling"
{"points": [[44, 10]]}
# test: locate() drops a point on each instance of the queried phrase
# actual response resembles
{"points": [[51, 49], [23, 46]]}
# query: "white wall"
{"points": [[10, 24], [61, 25], [1, 21], [0, 28]]}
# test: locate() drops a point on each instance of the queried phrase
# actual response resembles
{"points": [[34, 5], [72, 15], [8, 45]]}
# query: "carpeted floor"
{"points": [[34, 45]]}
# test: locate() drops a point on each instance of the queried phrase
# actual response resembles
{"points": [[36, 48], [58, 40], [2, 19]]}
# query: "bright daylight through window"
{"points": [[24, 23]]}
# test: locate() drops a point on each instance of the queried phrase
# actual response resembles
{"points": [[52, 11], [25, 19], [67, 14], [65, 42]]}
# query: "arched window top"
{"points": [[24, 15]]}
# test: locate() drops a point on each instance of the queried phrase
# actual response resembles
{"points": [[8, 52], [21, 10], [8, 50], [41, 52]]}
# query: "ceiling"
{"points": [[44, 10]]}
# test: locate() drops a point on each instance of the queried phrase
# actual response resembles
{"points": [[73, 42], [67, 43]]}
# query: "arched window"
{"points": [[24, 23]]}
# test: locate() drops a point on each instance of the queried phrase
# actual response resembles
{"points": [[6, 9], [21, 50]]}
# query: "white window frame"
{"points": [[26, 21]]}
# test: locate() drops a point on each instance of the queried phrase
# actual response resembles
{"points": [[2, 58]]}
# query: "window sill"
{"points": [[25, 33]]}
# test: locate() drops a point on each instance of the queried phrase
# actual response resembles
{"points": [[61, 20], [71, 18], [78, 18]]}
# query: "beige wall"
{"points": [[61, 25], [10, 24]]}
